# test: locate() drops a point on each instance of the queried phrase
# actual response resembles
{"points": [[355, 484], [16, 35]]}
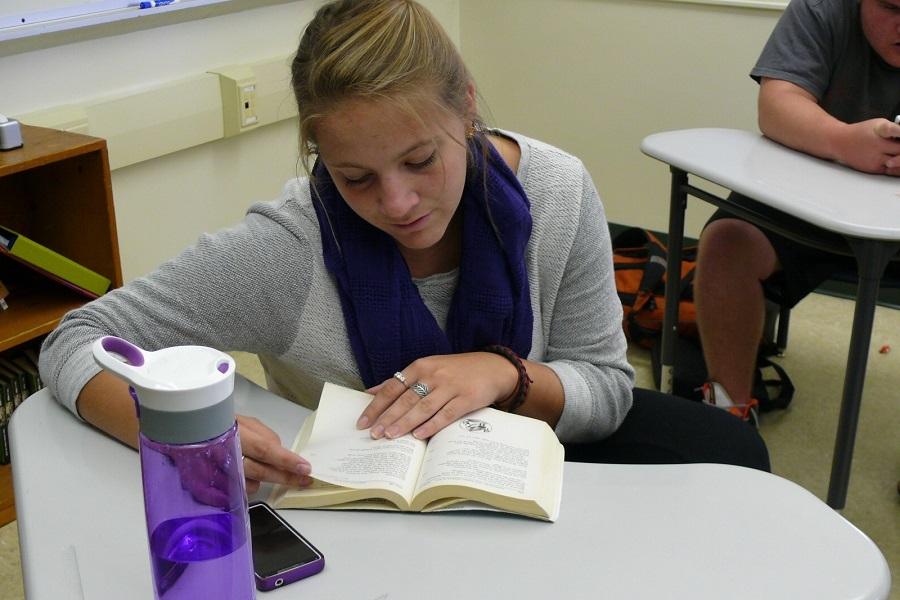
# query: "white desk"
{"points": [[860, 214], [624, 531]]}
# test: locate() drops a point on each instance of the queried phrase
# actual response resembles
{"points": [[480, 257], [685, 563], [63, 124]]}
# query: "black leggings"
{"points": [[664, 429]]}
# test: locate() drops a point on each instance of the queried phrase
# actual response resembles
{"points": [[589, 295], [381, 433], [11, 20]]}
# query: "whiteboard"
{"points": [[765, 4], [28, 18]]}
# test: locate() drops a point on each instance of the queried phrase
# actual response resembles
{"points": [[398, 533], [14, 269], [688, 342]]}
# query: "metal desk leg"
{"points": [[872, 257], [677, 204]]}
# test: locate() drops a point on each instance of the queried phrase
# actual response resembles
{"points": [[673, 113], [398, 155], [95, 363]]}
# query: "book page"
{"points": [[342, 455], [497, 452]]}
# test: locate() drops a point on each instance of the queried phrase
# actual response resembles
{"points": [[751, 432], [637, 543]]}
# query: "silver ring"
{"points": [[399, 376], [420, 389]]}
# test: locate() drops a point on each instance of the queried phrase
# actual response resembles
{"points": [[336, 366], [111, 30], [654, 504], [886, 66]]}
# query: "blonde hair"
{"points": [[392, 50]]}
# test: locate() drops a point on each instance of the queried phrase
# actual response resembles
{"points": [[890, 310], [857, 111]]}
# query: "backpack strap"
{"points": [[655, 268], [686, 289], [783, 383]]}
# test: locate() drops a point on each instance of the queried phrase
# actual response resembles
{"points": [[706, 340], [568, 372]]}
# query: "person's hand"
{"points": [[871, 146], [208, 474], [457, 385], [266, 460]]}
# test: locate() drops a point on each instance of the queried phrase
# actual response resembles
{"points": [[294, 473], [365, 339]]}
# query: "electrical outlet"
{"points": [[238, 86], [248, 105]]}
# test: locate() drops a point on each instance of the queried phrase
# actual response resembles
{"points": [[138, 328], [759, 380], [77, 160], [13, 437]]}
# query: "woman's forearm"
{"points": [[105, 403]]}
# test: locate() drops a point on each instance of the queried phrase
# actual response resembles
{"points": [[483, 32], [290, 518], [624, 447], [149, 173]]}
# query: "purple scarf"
{"points": [[388, 323]]}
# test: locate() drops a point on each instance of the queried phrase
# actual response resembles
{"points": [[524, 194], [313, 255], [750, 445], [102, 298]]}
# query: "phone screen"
{"points": [[276, 545]]}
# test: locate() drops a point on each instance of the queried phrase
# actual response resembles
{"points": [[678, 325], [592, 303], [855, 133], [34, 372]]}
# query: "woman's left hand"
{"points": [[456, 384]]}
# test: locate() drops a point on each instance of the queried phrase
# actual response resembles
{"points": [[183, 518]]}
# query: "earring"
{"points": [[471, 129]]}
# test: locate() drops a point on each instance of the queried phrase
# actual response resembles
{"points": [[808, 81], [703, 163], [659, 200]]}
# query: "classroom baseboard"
{"points": [[176, 115]]}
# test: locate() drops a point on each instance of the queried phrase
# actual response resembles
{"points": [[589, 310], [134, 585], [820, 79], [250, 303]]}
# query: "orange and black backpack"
{"points": [[640, 261], [639, 258]]}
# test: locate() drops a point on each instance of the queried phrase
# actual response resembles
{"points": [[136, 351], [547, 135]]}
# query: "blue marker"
{"points": [[155, 3]]}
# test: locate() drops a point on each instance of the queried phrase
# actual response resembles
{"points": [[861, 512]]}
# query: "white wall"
{"points": [[591, 76], [595, 77], [163, 204]]}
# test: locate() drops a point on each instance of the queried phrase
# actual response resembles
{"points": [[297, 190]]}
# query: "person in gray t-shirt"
{"points": [[829, 86]]}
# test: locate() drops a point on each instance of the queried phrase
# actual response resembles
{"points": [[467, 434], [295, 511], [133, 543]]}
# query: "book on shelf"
{"points": [[52, 264], [32, 378], [15, 379], [33, 354], [4, 292], [7, 397], [4, 444], [487, 460], [10, 397], [5, 457], [19, 378], [6, 409]]}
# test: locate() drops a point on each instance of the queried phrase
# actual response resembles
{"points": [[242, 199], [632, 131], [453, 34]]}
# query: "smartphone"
{"points": [[280, 554]]}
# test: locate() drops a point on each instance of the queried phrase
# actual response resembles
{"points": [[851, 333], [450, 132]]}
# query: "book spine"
{"points": [[32, 355], [6, 408], [5, 457], [19, 378], [32, 379], [16, 379], [4, 292]]}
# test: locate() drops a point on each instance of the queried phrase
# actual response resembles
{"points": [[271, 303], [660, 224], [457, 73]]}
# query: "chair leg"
{"points": [[769, 325], [784, 319]]}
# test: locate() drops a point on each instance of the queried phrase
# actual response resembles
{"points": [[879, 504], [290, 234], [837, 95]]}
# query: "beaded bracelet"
{"points": [[517, 398]]}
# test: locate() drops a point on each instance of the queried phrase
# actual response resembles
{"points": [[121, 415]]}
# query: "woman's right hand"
{"points": [[105, 403], [266, 460]]}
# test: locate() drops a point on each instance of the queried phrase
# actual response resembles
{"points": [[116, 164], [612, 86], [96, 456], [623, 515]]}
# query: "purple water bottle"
{"points": [[195, 500]]}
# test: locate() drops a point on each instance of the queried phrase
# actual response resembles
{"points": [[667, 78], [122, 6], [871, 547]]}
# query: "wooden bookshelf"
{"points": [[55, 189], [7, 503]]}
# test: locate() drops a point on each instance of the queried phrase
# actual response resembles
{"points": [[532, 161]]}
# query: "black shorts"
{"points": [[803, 268]]}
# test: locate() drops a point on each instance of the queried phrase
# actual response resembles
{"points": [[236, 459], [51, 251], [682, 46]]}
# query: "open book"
{"points": [[489, 459]]}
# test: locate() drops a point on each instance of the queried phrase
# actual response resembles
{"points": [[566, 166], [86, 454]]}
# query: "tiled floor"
{"points": [[10, 568]]}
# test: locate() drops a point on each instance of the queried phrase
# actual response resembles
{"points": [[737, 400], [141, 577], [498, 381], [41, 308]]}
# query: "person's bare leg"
{"points": [[734, 258]]}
